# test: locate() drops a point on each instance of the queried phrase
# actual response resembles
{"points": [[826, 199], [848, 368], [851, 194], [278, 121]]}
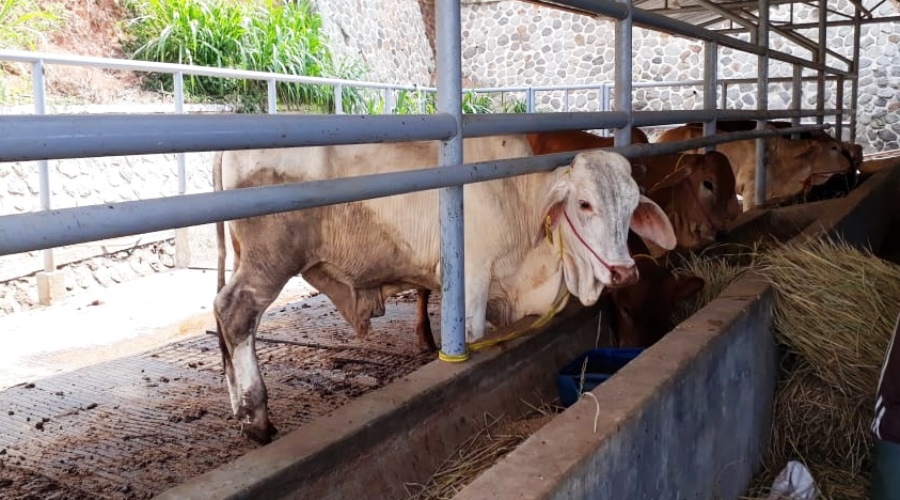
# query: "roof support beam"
{"points": [[733, 16], [831, 24], [802, 41]]}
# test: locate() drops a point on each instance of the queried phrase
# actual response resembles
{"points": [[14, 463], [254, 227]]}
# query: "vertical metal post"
{"points": [[566, 100], [724, 95], [854, 85], [40, 108], [182, 235], [820, 58], [710, 83], [339, 99], [839, 117], [796, 96], [272, 95], [623, 75], [529, 100], [179, 108], [762, 100], [604, 97], [449, 101], [388, 95]]}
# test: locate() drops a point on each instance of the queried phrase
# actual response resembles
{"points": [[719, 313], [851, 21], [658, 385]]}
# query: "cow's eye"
{"points": [[584, 205], [708, 185]]}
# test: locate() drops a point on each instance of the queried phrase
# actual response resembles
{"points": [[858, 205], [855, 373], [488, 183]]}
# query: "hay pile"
{"points": [[834, 312], [499, 436], [835, 307]]}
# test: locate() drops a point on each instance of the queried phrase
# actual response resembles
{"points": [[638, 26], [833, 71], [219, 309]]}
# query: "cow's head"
{"points": [[795, 164], [699, 198], [591, 205], [643, 311]]}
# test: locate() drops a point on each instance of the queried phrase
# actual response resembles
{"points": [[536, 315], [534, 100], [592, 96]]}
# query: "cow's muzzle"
{"points": [[623, 275]]}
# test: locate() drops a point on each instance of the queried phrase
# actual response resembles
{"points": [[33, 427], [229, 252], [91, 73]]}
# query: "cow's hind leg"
{"points": [[423, 322], [238, 308]]}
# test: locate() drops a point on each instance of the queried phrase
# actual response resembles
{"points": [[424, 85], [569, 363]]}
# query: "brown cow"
{"points": [[838, 184], [643, 312], [543, 143], [697, 192], [792, 164], [559, 141]]}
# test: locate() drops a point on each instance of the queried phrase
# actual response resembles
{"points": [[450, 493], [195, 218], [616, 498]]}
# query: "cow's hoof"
{"points": [[261, 434]]}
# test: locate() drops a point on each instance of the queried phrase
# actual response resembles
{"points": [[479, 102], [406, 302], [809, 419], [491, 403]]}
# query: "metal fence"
{"points": [[43, 137]]}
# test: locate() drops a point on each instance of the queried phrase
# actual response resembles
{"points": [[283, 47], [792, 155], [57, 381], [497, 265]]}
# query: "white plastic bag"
{"points": [[794, 482]]}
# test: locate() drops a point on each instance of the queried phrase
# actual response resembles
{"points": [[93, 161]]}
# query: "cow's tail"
{"points": [[220, 225]]}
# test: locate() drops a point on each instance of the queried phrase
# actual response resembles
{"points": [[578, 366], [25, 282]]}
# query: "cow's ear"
{"points": [[687, 285], [554, 203], [651, 223]]}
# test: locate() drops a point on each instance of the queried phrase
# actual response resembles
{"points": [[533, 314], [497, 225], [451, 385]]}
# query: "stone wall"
{"points": [[388, 39], [513, 43], [88, 181]]}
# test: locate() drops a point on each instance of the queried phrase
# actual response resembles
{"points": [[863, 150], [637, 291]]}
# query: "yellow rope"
{"points": [[543, 320], [645, 256]]}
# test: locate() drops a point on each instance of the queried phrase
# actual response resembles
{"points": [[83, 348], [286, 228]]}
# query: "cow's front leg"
{"points": [[477, 290], [238, 308]]}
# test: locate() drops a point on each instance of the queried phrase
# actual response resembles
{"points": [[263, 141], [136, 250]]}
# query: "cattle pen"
{"points": [[395, 414]]}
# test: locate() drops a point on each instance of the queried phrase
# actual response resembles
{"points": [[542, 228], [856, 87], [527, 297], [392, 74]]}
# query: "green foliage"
{"points": [[477, 103], [263, 35], [23, 23], [418, 102]]}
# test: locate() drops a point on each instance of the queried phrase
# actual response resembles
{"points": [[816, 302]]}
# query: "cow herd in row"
{"points": [[594, 228]]}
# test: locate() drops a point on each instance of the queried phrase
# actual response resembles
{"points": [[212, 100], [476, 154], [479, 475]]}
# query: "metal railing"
{"points": [[59, 136]]}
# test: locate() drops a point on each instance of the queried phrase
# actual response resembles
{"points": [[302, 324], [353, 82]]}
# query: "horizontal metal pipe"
{"points": [[25, 138], [187, 69], [478, 125], [28, 138], [772, 114], [661, 148], [781, 79], [68, 226], [652, 118]]}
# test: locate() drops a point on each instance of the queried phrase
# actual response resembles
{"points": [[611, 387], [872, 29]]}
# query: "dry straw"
{"points": [[499, 436], [818, 425], [834, 311], [717, 271], [835, 307]]}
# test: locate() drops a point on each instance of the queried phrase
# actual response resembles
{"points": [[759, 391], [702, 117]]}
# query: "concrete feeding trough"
{"points": [[691, 414]]}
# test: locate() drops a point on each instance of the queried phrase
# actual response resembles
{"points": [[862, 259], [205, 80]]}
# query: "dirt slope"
{"points": [[89, 28]]}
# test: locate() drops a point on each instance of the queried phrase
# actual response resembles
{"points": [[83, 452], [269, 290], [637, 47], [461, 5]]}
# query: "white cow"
{"points": [[360, 253]]}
